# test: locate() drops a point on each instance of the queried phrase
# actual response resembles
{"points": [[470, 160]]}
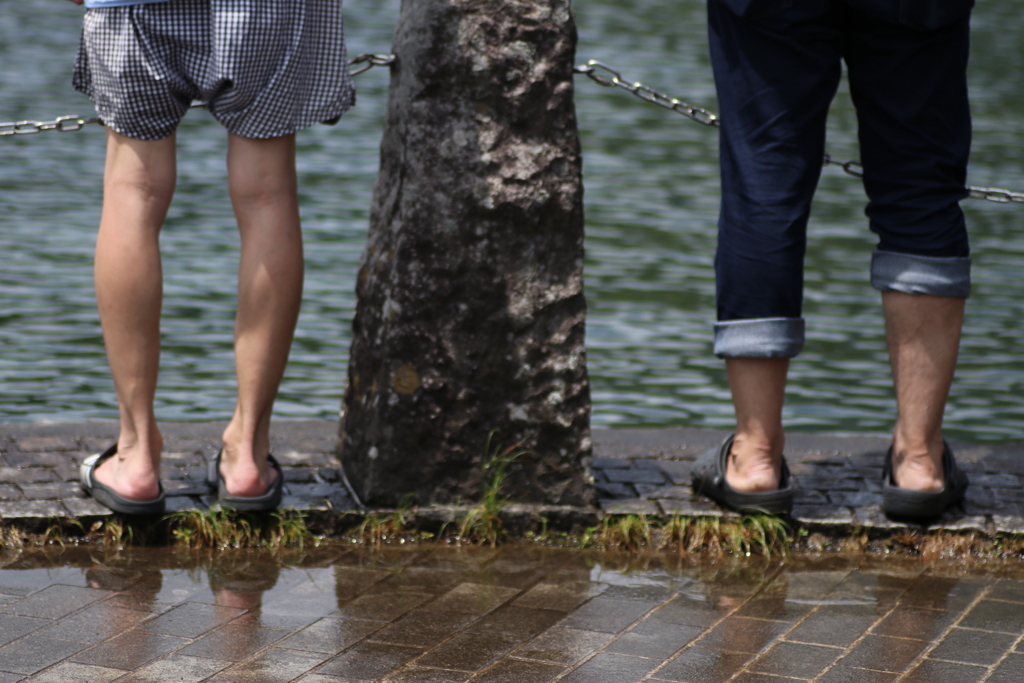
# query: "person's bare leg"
{"points": [[137, 188], [758, 389], [923, 335], [261, 179]]}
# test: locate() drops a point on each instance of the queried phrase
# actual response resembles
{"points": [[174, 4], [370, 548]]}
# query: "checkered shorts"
{"points": [[264, 68]]}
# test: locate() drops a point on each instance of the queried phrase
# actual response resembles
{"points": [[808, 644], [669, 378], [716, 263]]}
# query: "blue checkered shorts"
{"points": [[264, 68]]}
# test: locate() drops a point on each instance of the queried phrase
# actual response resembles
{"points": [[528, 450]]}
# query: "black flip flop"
{"points": [[268, 501], [708, 475], [900, 503], [108, 497]]}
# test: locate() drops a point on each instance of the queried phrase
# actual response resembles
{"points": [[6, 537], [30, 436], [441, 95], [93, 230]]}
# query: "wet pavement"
{"points": [[517, 614], [640, 471]]}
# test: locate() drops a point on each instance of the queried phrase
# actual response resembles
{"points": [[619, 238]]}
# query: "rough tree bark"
{"points": [[470, 313]]}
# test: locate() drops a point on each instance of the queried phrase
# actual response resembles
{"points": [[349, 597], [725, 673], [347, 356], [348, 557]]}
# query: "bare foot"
{"points": [[752, 468], [134, 471], [918, 471]]}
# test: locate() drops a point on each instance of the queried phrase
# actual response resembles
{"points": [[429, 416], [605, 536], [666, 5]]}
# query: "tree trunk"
{"points": [[468, 337]]}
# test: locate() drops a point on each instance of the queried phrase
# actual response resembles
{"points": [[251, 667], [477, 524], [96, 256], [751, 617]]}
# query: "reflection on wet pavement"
{"points": [[517, 614]]}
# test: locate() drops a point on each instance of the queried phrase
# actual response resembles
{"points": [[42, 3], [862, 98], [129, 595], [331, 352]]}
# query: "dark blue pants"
{"points": [[776, 75]]}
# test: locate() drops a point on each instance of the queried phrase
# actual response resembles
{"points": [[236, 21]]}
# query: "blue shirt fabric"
{"points": [[93, 4]]}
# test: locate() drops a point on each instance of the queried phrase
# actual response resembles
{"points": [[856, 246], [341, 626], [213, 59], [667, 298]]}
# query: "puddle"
{"points": [[516, 613]]}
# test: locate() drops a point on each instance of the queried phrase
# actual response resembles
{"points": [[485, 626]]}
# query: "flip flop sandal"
{"points": [[268, 501], [923, 505], [708, 475], [108, 497]]}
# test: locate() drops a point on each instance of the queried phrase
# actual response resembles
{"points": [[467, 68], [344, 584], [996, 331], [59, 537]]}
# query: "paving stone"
{"points": [[472, 598], [937, 592], [190, 620], [991, 615], [272, 666], [1008, 524], [370, 661], [691, 507], [94, 623], [69, 672], [678, 471], [32, 509], [689, 612], [13, 627], [608, 615], [630, 507], [563, 645], [1010, 590], [27, 475], [54, 602], [795, 660], [973, 647], [130, 650], [635, 476], [930, 671], [609, 668], [518, 671], [776, 609], [45, 443], [830, 628], [383, 607], [679, 492], [467, 652], [606, 463], [185, 487], [823, 515], [233, 642], [884, 653], [845, 674], [331, 635], [653, 639], [1010, 670], [10, 492], [516, 623], [29, 655], [86, 507], [855, 499], [704, 665], [423, 629], [564, 596], [740, 634], [175, 668], [913, 622], [418, 674]]}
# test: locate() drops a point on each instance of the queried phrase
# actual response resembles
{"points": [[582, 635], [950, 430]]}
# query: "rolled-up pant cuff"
{"points": [[759, 338], [912, 274]]}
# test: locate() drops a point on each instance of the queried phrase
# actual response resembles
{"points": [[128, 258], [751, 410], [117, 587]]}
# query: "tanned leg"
{"points": [[137, 188], [923, 335], [758, 388], [262, 182]]}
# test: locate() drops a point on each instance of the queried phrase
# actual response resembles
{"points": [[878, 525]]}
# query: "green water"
{"points": [[651, 202]]}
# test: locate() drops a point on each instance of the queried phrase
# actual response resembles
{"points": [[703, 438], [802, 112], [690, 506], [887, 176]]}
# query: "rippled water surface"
{"points": [[651, 202]]}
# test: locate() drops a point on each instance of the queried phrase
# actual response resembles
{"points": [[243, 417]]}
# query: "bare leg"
{"points": [[261, 179], [923, 335], [758, 388], [137, 189]]}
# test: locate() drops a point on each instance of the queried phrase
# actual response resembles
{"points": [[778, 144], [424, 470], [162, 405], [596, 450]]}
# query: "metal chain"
{"points": [[596, 71], [67, 124]]}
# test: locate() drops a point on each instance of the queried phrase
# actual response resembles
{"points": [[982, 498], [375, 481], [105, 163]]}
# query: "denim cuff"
{"points": [[914, 274], [759, 338]]}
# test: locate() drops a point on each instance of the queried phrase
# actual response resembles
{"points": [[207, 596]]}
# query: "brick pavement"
{"points": [[518, 614], [636, 470]]}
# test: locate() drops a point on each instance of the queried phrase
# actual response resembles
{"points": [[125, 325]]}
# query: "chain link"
{"points": [[67, 124], [603, 74]]}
